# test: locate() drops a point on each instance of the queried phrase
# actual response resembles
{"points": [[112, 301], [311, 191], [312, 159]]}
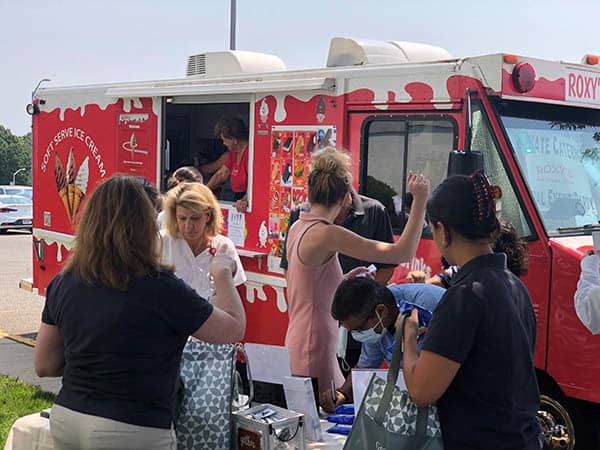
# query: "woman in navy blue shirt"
{"points": [[115, 323], [476, 360]]}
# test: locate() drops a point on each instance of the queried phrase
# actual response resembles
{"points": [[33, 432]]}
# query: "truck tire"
{"points": [[556, 423], [585, 417]]}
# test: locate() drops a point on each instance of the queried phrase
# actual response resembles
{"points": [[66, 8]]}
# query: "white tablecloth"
{"points": [[330, 441], [32, 432]]}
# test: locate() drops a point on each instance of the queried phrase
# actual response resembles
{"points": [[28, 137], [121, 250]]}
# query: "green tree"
{"points": [[15, 154]]}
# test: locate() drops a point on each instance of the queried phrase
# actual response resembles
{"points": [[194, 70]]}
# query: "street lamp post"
{"points": [[15, 174], [232, 19]]}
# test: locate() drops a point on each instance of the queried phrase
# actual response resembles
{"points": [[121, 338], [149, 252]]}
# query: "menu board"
{"points": [[134, 134], [291, 151]]}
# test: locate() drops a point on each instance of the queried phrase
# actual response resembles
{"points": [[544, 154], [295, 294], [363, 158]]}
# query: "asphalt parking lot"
{"points": [[20, 311]]}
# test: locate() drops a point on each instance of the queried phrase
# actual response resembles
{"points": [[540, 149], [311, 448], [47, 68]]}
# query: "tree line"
{"points": [[15, 154]]}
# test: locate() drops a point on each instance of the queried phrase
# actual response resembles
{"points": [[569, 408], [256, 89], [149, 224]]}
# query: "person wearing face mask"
{"points": [[371, 312]]}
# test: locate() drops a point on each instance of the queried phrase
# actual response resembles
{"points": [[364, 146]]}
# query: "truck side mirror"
{"points": [[464, 163]]}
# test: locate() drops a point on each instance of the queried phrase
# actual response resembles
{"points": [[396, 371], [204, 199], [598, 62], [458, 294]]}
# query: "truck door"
{"points": [[501, 170], [391, 144], [388, 147]]}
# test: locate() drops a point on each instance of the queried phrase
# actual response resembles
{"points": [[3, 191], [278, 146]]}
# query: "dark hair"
{"points": [[231, 127], [358, 297], [515, 248], [185, 173], [151, 192], [329, 178], [465, 205], [117, 236]]}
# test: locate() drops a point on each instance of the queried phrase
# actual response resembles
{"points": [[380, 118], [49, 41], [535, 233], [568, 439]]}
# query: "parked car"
{"points": [[25, 191], [15, 213]]}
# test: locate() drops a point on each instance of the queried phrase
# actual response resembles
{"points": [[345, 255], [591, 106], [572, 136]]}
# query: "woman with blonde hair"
{"points": [[314, 271], [183, 174], [115, 322], [194, 221]]}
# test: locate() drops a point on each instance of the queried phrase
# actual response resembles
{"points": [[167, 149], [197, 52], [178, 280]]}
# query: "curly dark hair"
{"points": [[515, 248], [185, 173], [231, 127]]}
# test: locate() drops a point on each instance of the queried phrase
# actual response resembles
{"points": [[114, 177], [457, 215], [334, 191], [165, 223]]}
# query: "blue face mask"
{"points": [[369, 336]]}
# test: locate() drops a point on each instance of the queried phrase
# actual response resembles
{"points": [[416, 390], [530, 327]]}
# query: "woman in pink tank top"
{"points": [[314, 272]]}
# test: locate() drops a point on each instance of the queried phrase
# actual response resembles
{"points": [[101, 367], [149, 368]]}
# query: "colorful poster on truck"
{"points": [[291, 150]]}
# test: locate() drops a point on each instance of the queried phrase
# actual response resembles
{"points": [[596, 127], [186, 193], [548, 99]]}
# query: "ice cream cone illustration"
{"points": [[299, 145], [70, 180], [61, 184], [321, 110], [263, 111], [76, 194], [132, 145], [80, 186]]}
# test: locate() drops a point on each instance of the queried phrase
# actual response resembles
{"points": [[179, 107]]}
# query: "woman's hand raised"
{"points": [[418, 185]]}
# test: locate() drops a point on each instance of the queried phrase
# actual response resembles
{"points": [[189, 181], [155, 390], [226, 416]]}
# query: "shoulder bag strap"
{"points": [[393, 372], [236, 376]]}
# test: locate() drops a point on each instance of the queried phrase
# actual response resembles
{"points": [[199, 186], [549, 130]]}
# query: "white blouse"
{"points": [[587, 296], [194, 269]]}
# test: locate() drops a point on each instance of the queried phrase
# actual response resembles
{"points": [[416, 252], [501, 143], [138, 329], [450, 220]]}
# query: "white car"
{"points": [[25, 191], [15, 213]]}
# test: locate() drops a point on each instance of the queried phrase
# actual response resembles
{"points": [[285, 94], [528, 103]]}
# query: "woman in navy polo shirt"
{"points": [[476, 360]]}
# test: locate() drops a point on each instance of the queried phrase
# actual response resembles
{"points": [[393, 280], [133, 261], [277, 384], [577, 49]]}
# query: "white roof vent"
{"points": [[232, 62], [354, 52]]}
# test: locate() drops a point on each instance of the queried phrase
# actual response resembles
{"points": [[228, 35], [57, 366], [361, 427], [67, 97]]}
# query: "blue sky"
{"points": [[81, 42]]}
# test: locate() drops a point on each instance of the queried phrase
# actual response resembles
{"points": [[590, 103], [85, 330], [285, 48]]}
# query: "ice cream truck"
{"points": [[395, 106]]}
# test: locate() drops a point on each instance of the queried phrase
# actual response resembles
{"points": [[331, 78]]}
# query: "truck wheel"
{"points": [[556, 424]]}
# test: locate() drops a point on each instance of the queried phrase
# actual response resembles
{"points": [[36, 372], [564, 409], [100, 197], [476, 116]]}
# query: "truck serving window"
{"points": [[558, 151], [190, 138], [392, 146]]}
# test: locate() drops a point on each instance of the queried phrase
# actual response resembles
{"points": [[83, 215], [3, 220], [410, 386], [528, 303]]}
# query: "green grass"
{"points": [[18, 399]]}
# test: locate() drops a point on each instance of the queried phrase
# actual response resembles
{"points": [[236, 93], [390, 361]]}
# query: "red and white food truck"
{"points": [[396, 106]]}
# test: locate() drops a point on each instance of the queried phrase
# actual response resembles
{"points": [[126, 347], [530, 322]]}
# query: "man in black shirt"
{"points": [[368, 218]]}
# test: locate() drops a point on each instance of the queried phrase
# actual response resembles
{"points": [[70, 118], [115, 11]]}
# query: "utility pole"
{"points": [[232, 15]]}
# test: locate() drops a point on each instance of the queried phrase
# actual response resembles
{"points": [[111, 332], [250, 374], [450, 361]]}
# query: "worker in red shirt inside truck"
{"points": [[234, 133]]}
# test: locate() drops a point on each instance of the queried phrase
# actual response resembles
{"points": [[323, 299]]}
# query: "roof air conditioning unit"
{"points": [[232, 62], [354, 52]]}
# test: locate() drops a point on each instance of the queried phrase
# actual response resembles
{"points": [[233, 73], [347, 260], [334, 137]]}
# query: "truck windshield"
{"points": [[558, 151]]}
